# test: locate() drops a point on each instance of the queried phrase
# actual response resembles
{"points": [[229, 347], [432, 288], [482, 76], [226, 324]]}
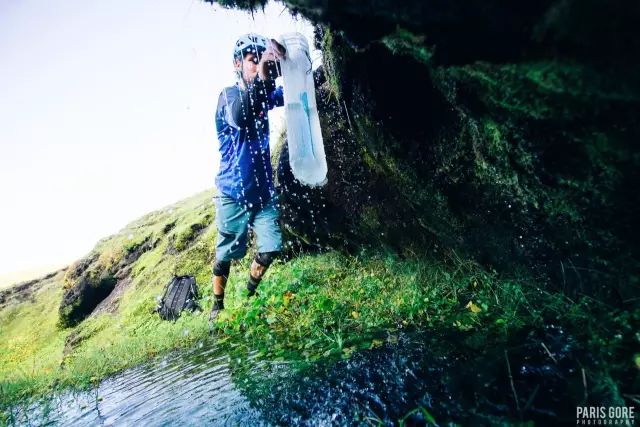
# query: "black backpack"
{"points": [[180, 294]]}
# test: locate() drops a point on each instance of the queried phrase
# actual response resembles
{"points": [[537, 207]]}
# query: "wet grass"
{"points": [[333, 304], [310, 307], [40, 355]]}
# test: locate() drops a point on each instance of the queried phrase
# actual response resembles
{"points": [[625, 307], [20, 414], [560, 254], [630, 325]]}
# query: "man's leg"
{"points": [[220, 276], [259, 266], [269, 242], [231, 243]]}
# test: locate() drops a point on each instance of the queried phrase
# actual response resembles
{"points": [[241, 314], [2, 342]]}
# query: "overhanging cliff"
{"points": [[504, 132]]}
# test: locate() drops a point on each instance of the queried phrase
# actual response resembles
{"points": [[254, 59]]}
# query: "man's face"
{"points": [[249, 66]]}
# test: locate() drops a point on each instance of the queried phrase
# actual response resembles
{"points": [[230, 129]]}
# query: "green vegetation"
{"points": [[524, 167], [332, 62], [38, 355], [404, 42], [312, 306], [527, 165], [331, 303]]}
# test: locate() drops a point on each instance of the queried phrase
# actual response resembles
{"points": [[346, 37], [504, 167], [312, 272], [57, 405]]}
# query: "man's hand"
{"points": [[267, 68]]}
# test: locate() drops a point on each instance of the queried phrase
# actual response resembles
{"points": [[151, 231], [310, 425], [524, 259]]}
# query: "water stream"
{"points": [[455, 378]]}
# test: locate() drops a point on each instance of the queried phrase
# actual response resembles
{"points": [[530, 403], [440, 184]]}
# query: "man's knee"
{"points": [[221, 268], [266, 258]]}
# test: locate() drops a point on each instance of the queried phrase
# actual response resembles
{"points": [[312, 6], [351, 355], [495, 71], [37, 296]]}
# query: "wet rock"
{"points": [[304, 212], [423, 377], [464, 31], [504, 132]]}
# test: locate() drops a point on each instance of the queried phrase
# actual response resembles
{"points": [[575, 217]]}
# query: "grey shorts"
{"points": [[233, 221]]}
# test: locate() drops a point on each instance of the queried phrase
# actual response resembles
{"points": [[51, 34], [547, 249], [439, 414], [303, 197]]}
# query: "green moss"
{"points": [[404, 42], [541, 90], [496, 146], [332, 60], [369, 219], [248, 5]]}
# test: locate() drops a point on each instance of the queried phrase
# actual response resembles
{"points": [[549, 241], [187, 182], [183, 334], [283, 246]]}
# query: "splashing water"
{"points": [[452, 381]]}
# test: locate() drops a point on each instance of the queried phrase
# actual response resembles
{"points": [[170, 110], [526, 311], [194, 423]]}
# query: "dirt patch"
{"points": [[112, 301]]}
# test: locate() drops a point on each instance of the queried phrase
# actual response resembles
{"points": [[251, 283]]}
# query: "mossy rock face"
{"points": [[89, 281], [548, 158], [529, 165], [504, 132], [463, 31]]}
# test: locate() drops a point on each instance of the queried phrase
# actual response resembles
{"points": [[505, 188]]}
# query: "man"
{"points": [[246, 194]]}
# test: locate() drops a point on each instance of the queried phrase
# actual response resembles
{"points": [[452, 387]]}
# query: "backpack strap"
{"points": [[176, 297]]}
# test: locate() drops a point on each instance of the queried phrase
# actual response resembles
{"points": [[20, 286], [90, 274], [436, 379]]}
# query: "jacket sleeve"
{"points": [[240, 107], [224, 117], [276, 98]]}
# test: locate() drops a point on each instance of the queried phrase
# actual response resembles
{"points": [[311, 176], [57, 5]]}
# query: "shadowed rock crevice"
{"points": [[91, 280]]}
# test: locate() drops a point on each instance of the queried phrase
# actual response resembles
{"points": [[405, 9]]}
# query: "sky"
{"points": [[106, 114]]}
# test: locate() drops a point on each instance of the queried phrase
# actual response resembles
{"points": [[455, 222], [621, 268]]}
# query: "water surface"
{"points": [[412, 376]]}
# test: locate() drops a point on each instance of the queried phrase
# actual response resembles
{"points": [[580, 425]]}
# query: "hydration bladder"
{"points": [[306, 148]]}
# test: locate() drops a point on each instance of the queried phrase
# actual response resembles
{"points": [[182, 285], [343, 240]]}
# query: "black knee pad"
{"points": [[221, 268], [266, 258]]}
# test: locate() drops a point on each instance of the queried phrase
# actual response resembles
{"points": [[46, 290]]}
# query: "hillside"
{"points": [[311, 306]]}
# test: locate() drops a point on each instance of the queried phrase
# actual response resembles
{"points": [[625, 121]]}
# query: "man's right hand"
{"points": [[279, 51], [267, 68]]}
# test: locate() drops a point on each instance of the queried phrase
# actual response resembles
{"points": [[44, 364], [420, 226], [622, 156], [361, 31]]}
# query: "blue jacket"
{"points": [[243, 133]]}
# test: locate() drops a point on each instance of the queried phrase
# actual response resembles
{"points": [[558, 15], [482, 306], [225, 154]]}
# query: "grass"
{"points": [[39, 356], [310, 307], [333, 304]]}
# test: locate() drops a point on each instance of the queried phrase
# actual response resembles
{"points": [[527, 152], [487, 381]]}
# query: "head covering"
{"points": [[249, 43]]}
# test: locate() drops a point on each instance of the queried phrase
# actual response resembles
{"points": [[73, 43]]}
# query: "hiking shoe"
{"points": [[215, 310]]}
